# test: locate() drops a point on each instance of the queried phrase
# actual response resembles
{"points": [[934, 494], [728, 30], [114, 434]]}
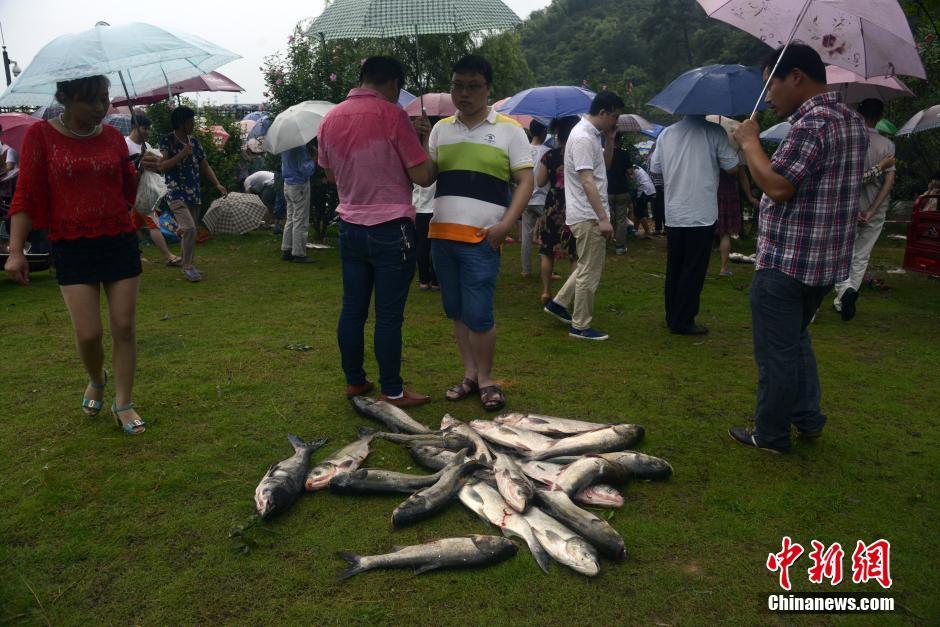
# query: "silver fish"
{"points": [[480, 450], [392, 417], [613, 438], [548, 425], [431, 457], [521, 440], [428, 500], [512, 483], [598, 495], [377, 481], [640, 466], [587, 470], [440, 439], [475, 550], [284, 481], [347, 459], [565, 546], [484, 500], [592, 528]]}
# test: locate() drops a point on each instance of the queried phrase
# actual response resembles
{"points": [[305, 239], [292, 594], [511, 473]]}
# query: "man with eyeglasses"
{"points": [[478, 153]]}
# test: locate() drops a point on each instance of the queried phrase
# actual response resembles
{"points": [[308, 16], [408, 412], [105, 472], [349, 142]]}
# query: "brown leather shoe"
{"points": [[410, 399], [359, 390]]}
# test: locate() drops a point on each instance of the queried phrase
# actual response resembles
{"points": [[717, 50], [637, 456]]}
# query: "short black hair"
{"points": [[935, 176], [871, 109], [80, 89], [381, 70], [797, 56], [141, 120], [537, 128], [564, 126], [474, 64], [606, 101], [180, 115]]}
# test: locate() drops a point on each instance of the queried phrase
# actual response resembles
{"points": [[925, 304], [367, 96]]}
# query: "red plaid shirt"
{"points": [[810, 237]]}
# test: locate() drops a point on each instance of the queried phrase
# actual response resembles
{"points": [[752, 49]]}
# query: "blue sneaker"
{"points": [[554, 309], [588, 334]]}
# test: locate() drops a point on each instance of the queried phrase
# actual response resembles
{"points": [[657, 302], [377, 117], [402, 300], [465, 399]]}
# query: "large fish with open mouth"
{"points": [[484, 500], [564, 545], [520, 440], [598, 495], [612, 438], [392, 417], [428, 500], [475, 550], [548, 425], [480, 450], [512, 483], [377, 481], [440, 439], [284, 481], [596, 531], [347, 459]]}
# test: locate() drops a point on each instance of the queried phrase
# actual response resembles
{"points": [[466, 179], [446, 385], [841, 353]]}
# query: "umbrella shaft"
{"points": [[770, 76]]}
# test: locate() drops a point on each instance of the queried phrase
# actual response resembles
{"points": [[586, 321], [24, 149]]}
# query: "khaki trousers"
{"points": [[580, 287], [298, 219], [185, 219]]}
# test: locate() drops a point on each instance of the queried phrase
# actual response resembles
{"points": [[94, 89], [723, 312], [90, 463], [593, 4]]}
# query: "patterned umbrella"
{"points": [[633, 123], [235, 214]]}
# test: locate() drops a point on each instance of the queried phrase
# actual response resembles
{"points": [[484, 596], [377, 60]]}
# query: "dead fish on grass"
{"points": [[475, 550], [284, 481]]}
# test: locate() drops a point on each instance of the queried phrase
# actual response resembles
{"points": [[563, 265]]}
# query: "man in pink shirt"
{"points": [[369, 148]]}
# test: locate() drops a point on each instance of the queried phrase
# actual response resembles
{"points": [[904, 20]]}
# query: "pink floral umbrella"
{"points": [[438, 105]]}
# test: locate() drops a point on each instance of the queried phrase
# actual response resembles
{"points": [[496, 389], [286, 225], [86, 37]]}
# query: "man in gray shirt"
{"points": [[688, 155]]}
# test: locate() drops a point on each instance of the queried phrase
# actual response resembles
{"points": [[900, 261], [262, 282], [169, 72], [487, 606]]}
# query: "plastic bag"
{"points": [[150, 189]]}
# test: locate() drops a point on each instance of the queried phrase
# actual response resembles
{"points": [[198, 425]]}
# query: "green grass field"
{"points": [[101, 528]]}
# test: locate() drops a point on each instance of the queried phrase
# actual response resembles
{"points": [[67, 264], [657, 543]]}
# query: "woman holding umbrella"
{"points": [[77, 181]]}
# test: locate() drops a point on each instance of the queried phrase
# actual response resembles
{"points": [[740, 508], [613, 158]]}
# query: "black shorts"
{"points": [[90, 261], [641, 206]]}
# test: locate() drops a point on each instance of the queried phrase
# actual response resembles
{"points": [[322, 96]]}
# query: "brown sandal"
{"points": [[492, 397], [462, 390]]}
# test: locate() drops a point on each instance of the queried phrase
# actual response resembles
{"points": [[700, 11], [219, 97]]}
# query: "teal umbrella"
{"points": [[136, 58]]}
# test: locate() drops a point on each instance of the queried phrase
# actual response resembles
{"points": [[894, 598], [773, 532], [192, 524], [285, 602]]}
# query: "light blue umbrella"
{"points": [[260, 129], [550, 102], [144, 56], [654, 133], [776, 133], [712, 90], [255, 116], [405, 97]]}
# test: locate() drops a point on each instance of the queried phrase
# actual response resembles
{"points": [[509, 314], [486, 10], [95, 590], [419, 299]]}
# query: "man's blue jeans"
{"points": [[788, 384], [380, 257]]}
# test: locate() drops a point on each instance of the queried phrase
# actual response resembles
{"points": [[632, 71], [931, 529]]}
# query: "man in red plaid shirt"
{"points": [[806, 232]]}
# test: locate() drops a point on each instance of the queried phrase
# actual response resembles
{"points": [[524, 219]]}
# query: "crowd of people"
{"points": [[440, 196]]}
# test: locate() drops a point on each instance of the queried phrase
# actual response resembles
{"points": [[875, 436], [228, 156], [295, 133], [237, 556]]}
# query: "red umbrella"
{"points": [[213, 81], [14, 127], [219, 135], [438, 105]]}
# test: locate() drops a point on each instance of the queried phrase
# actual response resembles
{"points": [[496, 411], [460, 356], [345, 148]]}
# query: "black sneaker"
{"points": [[304, 259], [554, 309], [745, 436], [695, 329], [848, 304], [809, 435], [286, 255]]}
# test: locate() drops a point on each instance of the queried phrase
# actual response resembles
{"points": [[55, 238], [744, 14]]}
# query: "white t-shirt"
{"points": [[541, 193], [12, 156], [254, 182], [879, 147], [584, 152], [643, 181], [133, 148], [423, 198]]}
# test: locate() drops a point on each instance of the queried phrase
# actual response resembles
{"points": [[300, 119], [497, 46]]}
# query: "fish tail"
{"points": [[299, 445], [355, 565]]}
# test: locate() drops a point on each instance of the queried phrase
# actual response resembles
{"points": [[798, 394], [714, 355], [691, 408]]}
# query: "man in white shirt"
{"points": [[587, 213], [645, 196], [140, 133], [688, 155], [536, 207]]}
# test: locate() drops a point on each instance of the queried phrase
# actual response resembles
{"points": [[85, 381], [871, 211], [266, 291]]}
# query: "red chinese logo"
{"points": [[782, 561], [872, 561], [826, 564], [869, 562]]}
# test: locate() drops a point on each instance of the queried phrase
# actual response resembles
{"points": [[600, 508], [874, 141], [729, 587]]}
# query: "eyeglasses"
{"points": [[470, 88]]}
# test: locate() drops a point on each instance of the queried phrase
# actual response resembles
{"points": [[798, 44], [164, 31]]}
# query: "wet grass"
{"points": [[99, 527]]}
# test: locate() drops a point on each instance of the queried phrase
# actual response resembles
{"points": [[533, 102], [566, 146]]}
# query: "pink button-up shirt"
{"points": [[369, 143]]}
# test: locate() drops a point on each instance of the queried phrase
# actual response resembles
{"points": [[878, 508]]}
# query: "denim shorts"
{"points": [[467, 276]]}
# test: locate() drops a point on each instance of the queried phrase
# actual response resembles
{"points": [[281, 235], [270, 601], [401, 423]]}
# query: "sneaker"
{"points": [[848, 304], [620, 250], [588, 334], [809, 435], [192, 275], [745, 436], [286, 255], [560, 313], [304, 259], [726, 273], [695, 329]]}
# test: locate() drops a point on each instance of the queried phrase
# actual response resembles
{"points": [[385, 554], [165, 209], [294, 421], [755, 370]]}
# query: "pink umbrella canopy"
{"points": [[868, 37], [439, 105], [14, 127], [855, 88], [523, 120], [219, 135], [213, 81]]}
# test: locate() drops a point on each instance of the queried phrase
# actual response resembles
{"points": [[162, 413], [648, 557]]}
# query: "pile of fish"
{"points": [[526, 474]]}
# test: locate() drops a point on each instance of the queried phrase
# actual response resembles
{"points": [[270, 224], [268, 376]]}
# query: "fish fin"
{"points": [[355, 565], [418, 570], [296, 441], [366, 431], [271, 469], [460, 457], [538, 421], [554, 537]]}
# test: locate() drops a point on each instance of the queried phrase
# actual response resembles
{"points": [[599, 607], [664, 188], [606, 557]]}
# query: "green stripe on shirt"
{"points": [[474, 157]]}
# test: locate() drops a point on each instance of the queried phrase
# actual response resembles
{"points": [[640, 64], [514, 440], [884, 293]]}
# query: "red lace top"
{"points": [[76, 187]]}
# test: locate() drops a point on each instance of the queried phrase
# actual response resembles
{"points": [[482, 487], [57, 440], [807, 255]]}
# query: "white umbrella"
{"points": [[922, 121], [296, 125]]}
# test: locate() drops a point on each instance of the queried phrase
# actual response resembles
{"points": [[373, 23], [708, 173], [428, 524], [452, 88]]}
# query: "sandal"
{"points": [[175, 262], [462, 390], [134, 427], [492, 397], [90, 406]]}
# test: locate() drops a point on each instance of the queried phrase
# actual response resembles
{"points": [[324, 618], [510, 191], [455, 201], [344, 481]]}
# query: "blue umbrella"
{"points": [[255, 116], [260, 129], [657, 129], [714, 89], [776, 133], [405, 97], [141, 56], [550, 102]]}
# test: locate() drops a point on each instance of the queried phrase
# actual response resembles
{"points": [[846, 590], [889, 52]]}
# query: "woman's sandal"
{"points": [[175, 262], [462, 390], [90, 406], [134, 427], [492, 397]]}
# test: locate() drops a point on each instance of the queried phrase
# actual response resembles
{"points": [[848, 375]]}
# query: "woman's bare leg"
{"points": [[83, 303], [122, 310]]}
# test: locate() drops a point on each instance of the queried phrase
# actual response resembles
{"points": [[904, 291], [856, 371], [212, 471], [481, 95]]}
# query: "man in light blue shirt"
{"points": [[297, 166], [689, 155]]}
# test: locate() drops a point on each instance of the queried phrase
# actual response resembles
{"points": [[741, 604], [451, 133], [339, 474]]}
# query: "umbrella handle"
{"points": [[770, 76]]}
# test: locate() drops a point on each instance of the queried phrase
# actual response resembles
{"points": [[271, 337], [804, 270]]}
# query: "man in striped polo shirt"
{"points": [[477, 153]]}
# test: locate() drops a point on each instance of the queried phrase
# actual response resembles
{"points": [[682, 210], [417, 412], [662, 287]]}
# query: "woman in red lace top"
{"points": [[77, 181]]}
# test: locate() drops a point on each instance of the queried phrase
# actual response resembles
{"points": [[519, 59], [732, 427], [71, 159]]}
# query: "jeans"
{"points": [[788, 389], [467, 273], [380, 257], [426, 273], [687, 253]]}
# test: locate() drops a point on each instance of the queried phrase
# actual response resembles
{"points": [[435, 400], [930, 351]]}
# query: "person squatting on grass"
{"points": [[77, 181], [369, 148], [476, 152], [804, 243]]}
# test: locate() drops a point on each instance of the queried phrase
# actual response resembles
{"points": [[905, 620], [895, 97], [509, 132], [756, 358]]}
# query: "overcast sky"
{"points": [[252, 29]]}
